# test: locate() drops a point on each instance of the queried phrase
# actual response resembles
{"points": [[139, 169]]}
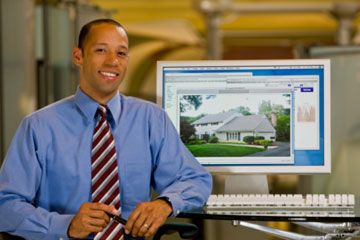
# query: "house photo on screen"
{"points": [[236, 125]]}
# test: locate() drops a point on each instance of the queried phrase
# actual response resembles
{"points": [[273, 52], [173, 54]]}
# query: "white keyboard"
{"points": [[280, 201]]}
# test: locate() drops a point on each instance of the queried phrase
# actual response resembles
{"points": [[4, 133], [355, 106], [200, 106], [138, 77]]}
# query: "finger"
{"points": [[87, 220], [145, 228], [99, 215], [131, 220], [92, 225], [98, 222], [97, 206], [155, 222], [137, 219], [94, 229], [140, 226], [151, 231], [103, 207]]}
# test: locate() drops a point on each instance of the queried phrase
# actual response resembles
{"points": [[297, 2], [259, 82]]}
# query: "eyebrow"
{"points": [[105, 44]]}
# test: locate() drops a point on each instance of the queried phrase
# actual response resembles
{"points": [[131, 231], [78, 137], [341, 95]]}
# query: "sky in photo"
{"points": [[226, 102]]}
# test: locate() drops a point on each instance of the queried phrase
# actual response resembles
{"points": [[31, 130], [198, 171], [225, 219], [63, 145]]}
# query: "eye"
{"points": [[122, 54], [100, 50]]}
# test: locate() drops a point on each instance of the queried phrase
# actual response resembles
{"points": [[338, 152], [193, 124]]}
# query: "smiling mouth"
{"points": [[109, 74]]}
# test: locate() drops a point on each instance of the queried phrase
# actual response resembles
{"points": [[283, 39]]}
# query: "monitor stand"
{"points": [[240, 183]]}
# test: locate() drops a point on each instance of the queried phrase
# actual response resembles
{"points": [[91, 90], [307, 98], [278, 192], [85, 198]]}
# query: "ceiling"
{"points": [[257, 26]]}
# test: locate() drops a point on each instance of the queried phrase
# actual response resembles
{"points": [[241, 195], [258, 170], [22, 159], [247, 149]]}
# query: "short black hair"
{"points": [[84, 32]]}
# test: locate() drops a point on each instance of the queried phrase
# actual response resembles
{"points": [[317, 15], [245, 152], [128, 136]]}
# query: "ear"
{"points": [[77, 56]]}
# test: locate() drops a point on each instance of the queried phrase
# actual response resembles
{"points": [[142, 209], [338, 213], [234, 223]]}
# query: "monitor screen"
{"points": [[268, 116]]}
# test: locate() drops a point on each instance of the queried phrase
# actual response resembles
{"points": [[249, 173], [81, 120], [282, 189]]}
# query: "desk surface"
{"points": [[276, 214]]}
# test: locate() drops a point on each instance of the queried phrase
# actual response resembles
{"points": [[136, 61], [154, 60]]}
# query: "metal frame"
{"points": [[330, 231], [344, 12]]}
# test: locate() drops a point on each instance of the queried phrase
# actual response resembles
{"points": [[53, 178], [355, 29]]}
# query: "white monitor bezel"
{"points": [[326, 168]]}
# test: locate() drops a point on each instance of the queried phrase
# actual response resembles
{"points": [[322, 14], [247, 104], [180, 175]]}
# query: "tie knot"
{"points": [[102, 110]]}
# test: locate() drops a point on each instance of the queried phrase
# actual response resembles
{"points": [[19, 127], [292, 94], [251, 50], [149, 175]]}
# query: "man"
{"points": [[51, 184]]}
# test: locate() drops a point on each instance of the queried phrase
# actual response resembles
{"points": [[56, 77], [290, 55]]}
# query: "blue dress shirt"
{"points": [[46, 174]]}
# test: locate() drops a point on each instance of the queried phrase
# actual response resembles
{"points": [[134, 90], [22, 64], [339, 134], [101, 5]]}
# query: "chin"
{"points": [[110, 92]]}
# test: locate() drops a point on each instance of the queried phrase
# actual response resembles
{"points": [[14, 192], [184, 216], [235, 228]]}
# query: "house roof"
{"points": [[213, 118], [257, 123]]}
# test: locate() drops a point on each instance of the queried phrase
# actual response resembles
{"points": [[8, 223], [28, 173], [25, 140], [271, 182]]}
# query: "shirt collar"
{"points": [[88, 106]]}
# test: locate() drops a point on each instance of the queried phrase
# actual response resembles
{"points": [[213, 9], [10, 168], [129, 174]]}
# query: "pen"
{"points": [[119, 219]]}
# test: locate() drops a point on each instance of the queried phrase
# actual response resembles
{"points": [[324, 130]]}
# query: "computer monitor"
{"points": [[267, 116]]}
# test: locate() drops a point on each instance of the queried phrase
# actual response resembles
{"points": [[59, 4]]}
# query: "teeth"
{"points": [[108, 74]]}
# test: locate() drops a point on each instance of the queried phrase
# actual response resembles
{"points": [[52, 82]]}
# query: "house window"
{"points": [[233, 136]]}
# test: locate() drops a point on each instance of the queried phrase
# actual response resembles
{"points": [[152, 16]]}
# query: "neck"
{"points": [[98, 98]]}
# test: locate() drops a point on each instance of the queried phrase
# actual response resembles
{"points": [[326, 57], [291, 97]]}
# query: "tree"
{"points": [[266, 108], [186, 131], [243, 110], [283, 128], [188, 102], [277, 108], [206, 137], [214, 139], [249, 139], [191, 119]]}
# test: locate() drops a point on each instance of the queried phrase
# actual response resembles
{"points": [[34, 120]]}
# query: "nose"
{"points": [[112, 59]]}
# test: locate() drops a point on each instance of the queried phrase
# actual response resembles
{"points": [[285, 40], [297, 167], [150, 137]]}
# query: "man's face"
{"points": [[102, 61]]}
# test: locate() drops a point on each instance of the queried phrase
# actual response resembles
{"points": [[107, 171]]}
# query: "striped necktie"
{"points": [[104, 172]]}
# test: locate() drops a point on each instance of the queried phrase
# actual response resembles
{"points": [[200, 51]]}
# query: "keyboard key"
{"points": [[281, 201]]}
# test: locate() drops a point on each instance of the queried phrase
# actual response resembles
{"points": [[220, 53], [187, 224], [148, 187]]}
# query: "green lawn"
{"points": [[219, 150]]}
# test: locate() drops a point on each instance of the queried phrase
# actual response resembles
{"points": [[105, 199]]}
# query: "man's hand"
{"points": [[91, 218], [147, 218]]}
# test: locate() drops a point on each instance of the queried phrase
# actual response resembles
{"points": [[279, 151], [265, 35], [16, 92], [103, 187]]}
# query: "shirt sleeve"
{"points": [[177, 174], [20, 178]]}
